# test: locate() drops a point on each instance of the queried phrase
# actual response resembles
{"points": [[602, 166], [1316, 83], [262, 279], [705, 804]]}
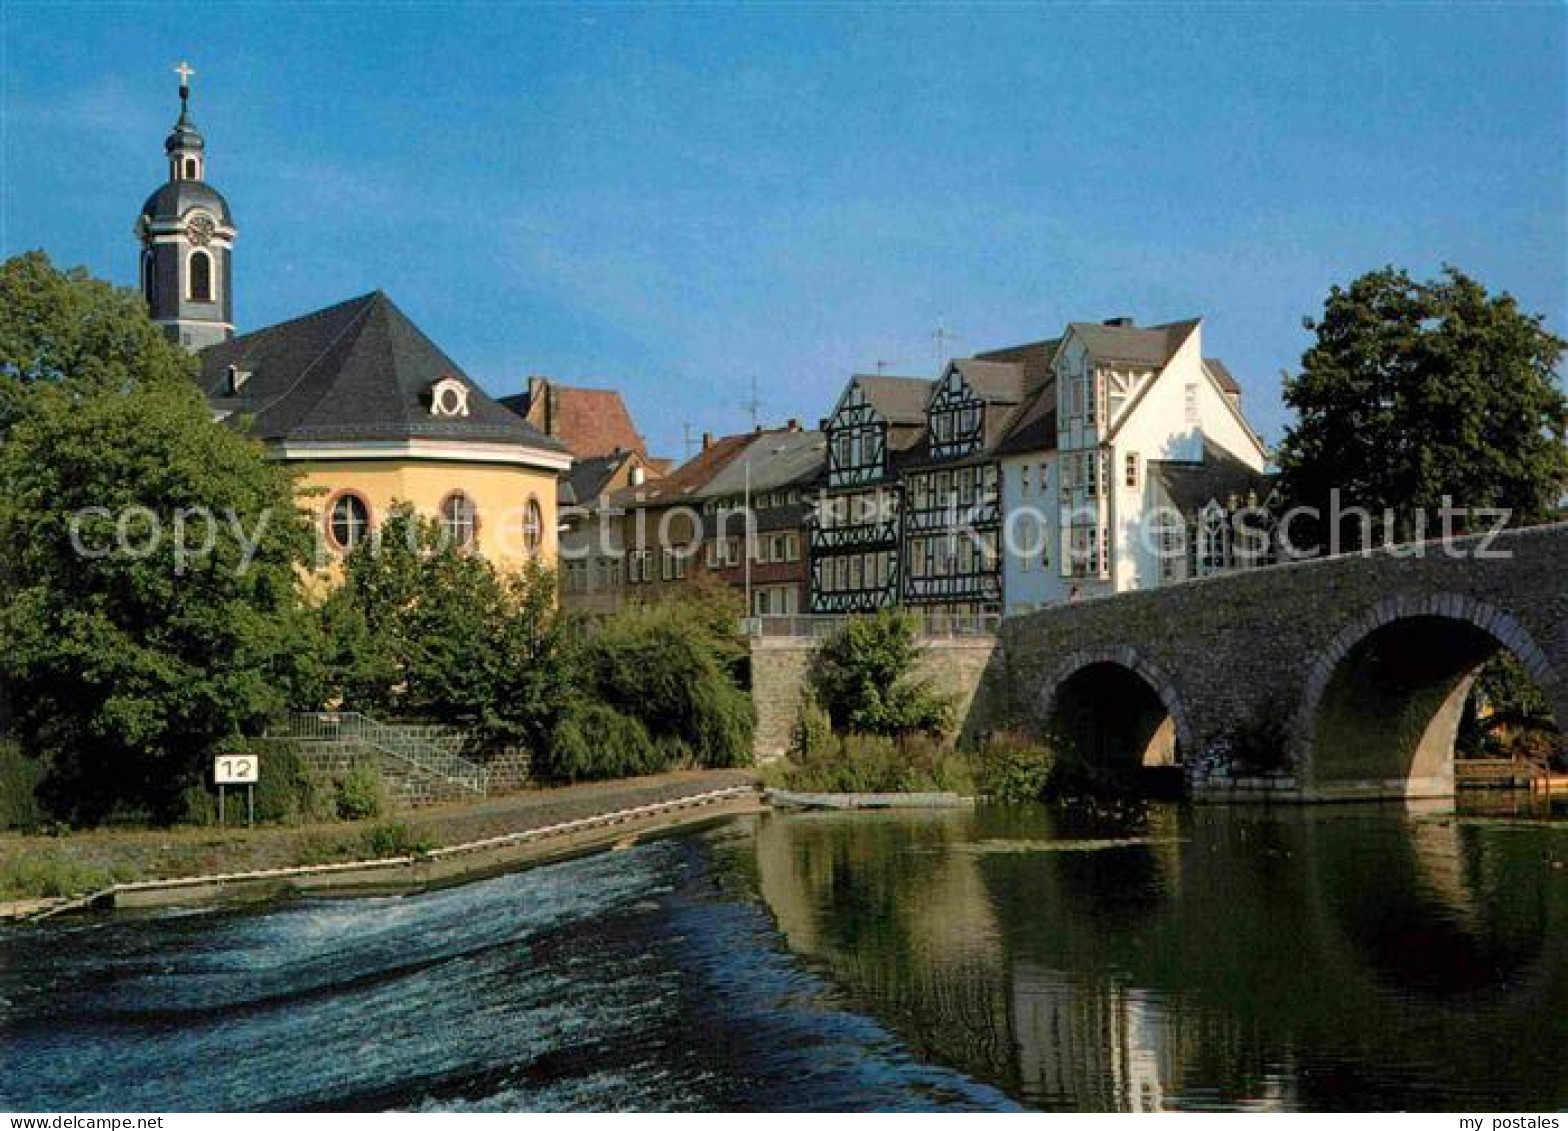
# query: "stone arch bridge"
{"points": [[1318, 680]]}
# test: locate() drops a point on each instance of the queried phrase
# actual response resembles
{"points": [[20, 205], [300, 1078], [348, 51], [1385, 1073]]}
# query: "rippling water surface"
{"points": [[1159, 958]]}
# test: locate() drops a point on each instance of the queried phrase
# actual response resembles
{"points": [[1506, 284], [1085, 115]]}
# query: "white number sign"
{"points": [[236, 769]]}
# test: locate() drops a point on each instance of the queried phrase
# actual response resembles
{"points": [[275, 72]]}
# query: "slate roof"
{"points": [[1037, 358], [900, 400], [357, 371], [1138, 345], [777, 459], [1222, 375], [995, 382], [1219, 475], [172, 199], [589, 476], [1034, 428], [590, 422]]}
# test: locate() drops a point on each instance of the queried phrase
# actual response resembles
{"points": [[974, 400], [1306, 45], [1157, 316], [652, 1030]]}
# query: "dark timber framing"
{"points": [[854, 534]]}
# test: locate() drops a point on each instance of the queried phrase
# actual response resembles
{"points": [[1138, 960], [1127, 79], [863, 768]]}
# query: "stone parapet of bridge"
{"points": [[1331, 678]]}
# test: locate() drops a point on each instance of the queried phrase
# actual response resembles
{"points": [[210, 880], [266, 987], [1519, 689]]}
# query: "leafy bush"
{"points": [[812, 730], [674, 668], [396, 839], [286, 793], [360, 794], [863, 763], [862, 675], [198, 806], [47, 875], [19, 778], [1012, 767], [594, 741]]}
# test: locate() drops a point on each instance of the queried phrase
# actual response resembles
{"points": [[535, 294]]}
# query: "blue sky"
{"points": [[677, 200]]}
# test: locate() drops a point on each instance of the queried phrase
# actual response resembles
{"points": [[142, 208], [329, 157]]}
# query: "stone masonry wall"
{"points": [[1248, 648], [969, 670]]}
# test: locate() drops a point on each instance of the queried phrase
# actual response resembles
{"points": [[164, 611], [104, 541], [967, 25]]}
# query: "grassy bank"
{"points": [[48, 866]]}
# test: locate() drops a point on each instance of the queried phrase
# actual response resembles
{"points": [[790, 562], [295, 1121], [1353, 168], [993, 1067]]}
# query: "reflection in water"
{"points": [[1165, 958], [1320, 959]]}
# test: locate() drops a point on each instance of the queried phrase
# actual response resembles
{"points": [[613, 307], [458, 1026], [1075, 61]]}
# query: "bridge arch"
{"points": [[1382, 703], [1118, 707]]}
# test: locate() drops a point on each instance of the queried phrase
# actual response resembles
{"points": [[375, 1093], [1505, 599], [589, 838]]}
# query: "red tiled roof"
{"points": [[590, 422]]}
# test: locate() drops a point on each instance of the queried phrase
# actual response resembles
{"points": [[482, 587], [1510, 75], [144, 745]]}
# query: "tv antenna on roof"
{"points": [[941, 339], [883, 366], [754, 403]]}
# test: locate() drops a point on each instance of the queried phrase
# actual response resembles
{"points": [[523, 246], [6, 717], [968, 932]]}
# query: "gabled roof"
{"points": [[589, 422], [995, 382], [1220, 474], [900, 400], [1137, 345], [776, 459], [685, 481], [1222, 375], [357, 371], [1037, 358], [588, 477], [1034, 428]]}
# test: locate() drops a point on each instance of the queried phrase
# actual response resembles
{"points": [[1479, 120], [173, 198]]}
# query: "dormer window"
{"points": [[237, 378], [449, 397]]}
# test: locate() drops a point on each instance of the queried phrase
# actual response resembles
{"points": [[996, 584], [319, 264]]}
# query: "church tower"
{"points": [[187, 238]]}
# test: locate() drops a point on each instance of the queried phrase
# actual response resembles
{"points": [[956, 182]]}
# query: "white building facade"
{"points": [[1145, 427]]}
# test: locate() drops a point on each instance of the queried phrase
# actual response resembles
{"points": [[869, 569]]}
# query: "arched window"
{"points": [[147, 276], [458, 519], [190, 168], [348, 521], [533, 526], [201, 277]]}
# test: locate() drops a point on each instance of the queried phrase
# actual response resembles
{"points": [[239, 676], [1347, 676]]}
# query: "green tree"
{"points": [[1413, 391], [67, 326], [675, 667], [148, 556], [423, 629], [863, 676]]}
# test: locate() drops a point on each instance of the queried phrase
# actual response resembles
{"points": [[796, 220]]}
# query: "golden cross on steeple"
{"points": [[185, 71]]}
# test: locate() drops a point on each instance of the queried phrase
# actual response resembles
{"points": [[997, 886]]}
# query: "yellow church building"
{"points": [[369, 409]]}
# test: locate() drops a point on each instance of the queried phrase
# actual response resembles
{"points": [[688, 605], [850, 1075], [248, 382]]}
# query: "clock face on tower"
{"points": [[199, 229]]}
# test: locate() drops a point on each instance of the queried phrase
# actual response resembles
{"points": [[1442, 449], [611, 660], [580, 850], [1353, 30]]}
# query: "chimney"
{"points": [[1123, 321], [707, 440], [792, 426], [540, 398]]}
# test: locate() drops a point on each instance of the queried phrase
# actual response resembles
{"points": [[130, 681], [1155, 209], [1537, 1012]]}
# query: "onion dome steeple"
{"points": [[185, 144], [187, 237]]}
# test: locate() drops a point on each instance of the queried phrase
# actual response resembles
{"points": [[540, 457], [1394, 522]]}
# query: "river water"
{"points": [[1139, 958]]}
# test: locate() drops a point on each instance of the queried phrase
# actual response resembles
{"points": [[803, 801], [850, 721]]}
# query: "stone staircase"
{"points": [[420, 764]]}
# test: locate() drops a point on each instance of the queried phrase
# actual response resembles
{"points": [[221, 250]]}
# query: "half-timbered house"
{"points": [[952, 513], [854, 534]]}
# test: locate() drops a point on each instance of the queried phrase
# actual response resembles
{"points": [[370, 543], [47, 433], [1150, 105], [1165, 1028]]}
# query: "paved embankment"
{"points": [[477, 838]]}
